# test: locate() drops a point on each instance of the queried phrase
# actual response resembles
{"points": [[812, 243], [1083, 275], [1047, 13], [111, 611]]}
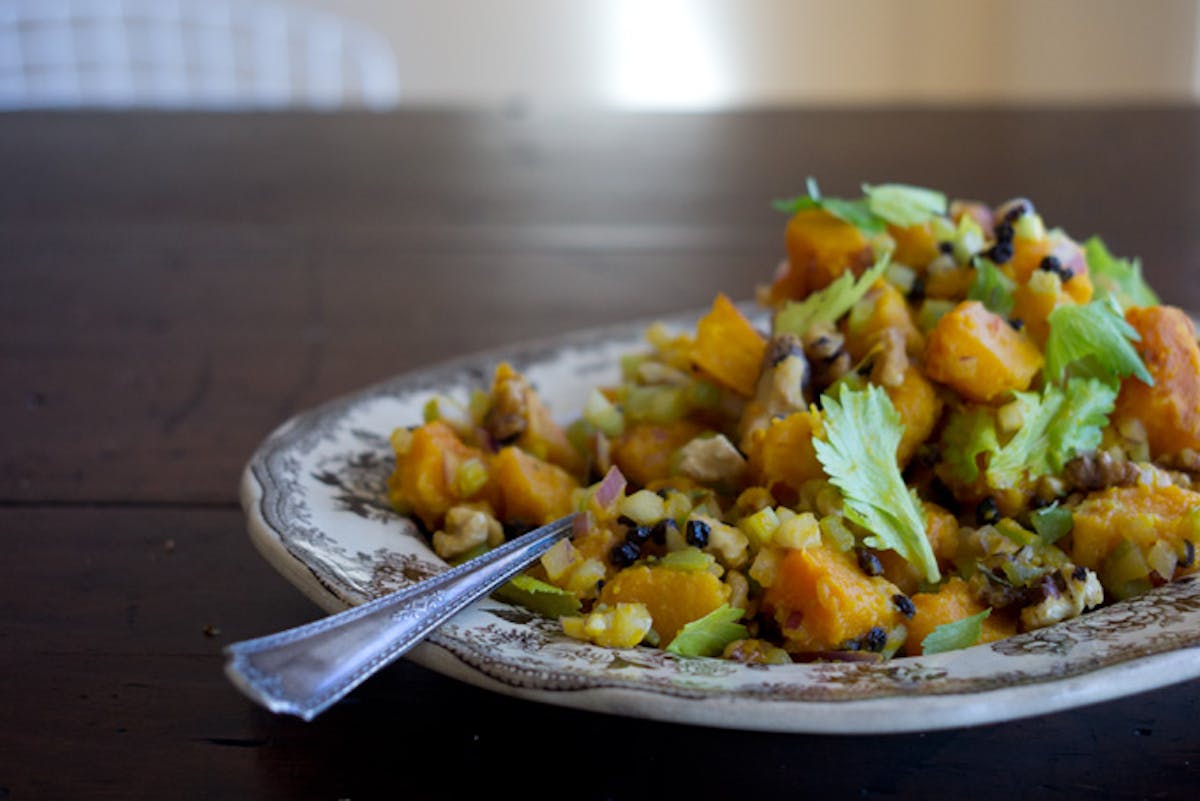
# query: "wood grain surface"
{"points": [[172, 287]]}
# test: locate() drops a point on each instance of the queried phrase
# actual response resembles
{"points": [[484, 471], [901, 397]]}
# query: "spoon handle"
{"points": [[305, 670]]}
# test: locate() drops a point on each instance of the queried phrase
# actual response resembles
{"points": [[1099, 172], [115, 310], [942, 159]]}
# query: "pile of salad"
{"points": [[961, 425]]}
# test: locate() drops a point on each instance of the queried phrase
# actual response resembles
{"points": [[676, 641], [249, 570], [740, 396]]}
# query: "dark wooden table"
{"points": [[172, 287]]}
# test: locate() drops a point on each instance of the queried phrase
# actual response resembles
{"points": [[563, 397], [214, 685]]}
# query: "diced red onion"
{"points": [[611, 487]]}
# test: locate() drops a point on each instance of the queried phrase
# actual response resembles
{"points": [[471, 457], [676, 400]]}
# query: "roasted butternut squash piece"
{"points": [[1170, 410], [424, 480], [823, 601], [1033, 302], [916, 245], [782, 456], [518, 417], [1142, 515], [952, 602], [728, 348], [919, 406], [645, 451], [949, 284], [883, 307], [820, 247], [979, 354], [674, 597], [531, 491]]}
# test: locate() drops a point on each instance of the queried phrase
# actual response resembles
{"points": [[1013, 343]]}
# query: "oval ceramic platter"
{"points": [[314, 495]]}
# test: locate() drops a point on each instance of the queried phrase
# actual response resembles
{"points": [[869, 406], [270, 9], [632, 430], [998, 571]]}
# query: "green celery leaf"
{"points": [[538, 596], [855, 212], [953, 636], [1055, 427], [709, 635], [903, 205], [1119, 278], [863, 430], [829, 304], [992, 287], [1052, 523], [1093, 340], [970, 432]]}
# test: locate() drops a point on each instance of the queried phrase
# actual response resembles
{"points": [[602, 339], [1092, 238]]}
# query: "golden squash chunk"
{"points": [[822, 600], [782, 456], [1142, 515], [979, 354], [920, 408], [728, 348], [882, 308], [1033, 302], [1170, 410], [644, 452], [674, 597], [916, 245], [820, 247], [952, 602], [424, 481], [531, 491]]}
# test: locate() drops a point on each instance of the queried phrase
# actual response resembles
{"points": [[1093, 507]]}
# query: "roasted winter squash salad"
{"points": [[962, 425]]}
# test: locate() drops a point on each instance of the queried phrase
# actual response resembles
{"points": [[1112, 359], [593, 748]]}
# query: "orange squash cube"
{"points": [[728, 348], [673, 597], [424, 479], [979, 354], [820, 247], [645, 451], [782, 456], [1169, 410], [951, 603], [531, 491]]}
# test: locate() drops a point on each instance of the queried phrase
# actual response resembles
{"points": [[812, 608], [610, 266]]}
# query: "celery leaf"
{"points": [[862, 432], [1119, 278], [1056, 426], [538, 596], [953, 636], [829, 304], [856, 212], [992, 287], [903, 205], [709, 635], [1093, 340], [970, 433]]}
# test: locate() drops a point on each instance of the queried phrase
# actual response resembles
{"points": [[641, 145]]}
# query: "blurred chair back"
{"points": [[188, 54]]}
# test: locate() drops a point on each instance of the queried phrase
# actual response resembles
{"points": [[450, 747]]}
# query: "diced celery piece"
{"points": [[1015, 532], [1052, 523], [703, 395], [942, 228], [1029, 226], [629, 366], [901, 276], [689, 560], [835, 531], [579, 433], [601, 413], [931, 311], [968, 239], [538, 596], [643, 507], [470, 477], [1125, 573], [798, 532], [760, 526], [654, 404]]}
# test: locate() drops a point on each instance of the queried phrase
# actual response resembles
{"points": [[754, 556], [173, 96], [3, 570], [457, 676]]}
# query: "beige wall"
{"points": [[719, 53]]}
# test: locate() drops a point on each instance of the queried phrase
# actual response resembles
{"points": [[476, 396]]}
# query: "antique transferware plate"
{"points": [[314, 495]]}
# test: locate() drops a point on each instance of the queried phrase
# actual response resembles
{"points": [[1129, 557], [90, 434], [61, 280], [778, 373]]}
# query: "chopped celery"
{"points": [[703, 395], [538, 596], [600, 412], [968, 239], [760, 527], [709, 635], [953, 636], [470, 477], [1029, 226], [1052, 523], [836, 533], [643, 507], [688, 560], [1017, 533], [654, 404], [931, 311]]}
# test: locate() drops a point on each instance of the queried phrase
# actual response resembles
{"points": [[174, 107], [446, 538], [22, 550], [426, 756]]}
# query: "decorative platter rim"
{"points": [[313, 496]]}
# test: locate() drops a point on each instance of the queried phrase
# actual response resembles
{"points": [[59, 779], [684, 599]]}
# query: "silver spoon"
{"points": [[305, 670]]}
